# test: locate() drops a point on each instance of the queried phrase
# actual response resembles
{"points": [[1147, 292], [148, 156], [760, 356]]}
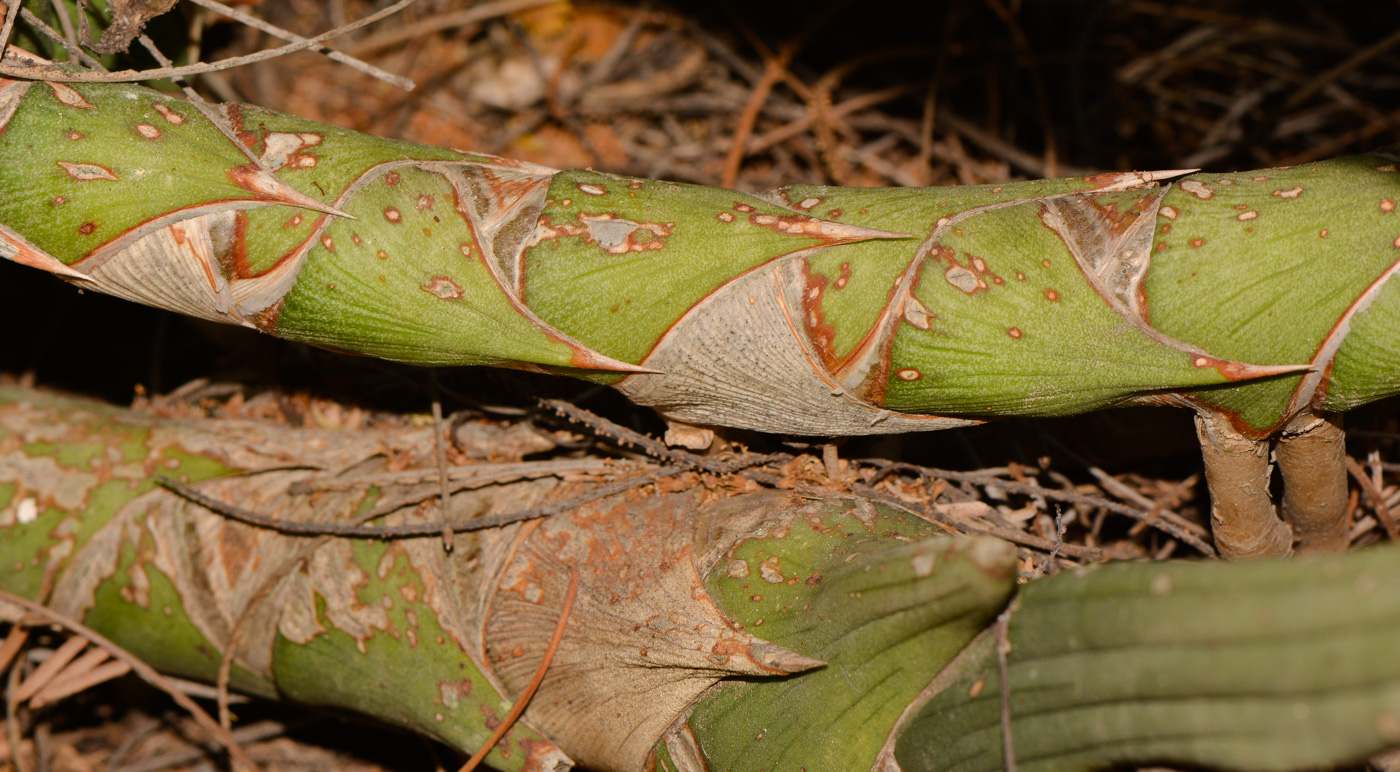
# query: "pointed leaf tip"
{"points": [[1242, 371], [1165, 174], [771, 656], [268, 187]]}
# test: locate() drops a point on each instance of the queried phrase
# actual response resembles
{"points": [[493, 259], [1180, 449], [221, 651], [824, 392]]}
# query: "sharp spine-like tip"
{"points": [[1165, 174], [783, 660]]}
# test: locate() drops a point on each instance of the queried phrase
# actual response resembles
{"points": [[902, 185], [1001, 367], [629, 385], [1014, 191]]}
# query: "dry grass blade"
{"points": [[50, 668], [14, 642], [144, 671], [65, 686]]}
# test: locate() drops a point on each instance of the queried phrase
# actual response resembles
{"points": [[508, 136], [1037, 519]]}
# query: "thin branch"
{"points": [[334, 55], [654, 447], [772, 73], [440, 22], [441, 453], [10, 14], [57, 74], [1159, 523], [413, 531], [1377, 500], [74, 52]]}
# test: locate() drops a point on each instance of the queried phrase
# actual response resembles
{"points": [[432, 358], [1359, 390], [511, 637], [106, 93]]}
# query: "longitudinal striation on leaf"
{"points": [[810, 310]]}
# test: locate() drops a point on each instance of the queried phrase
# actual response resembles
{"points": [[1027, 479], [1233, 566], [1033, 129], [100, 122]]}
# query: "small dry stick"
{"points": [[49, 72], [278, 32], [653, 447], [419, 530], [46, 671], [10, 13], [12, 645], [12, 721], [1377, 500], [441, 452], [772, 73]]}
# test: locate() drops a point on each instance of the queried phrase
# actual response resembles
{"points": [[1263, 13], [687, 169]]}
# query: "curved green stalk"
{"points": [[762, 631], [809, 310]]}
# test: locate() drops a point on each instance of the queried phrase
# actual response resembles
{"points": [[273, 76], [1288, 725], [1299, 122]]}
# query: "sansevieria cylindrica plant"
{"points": [[1261, 299]]}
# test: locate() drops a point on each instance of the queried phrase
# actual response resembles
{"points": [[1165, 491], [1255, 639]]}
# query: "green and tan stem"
{"points": [[756, 631], [1258, 296]]}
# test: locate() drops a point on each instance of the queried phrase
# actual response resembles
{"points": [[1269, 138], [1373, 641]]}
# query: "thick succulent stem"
{"points": [[1241, 512], [1311, 455], [1260, 665]]}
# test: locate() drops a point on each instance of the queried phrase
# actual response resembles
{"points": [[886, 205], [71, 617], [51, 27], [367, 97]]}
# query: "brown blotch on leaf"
{"points": [[69, 96], [1246, 216], [392, 179], [293, 222], [75, 135], [725, 217], [845, 277], [60, 200], [442, 287], [909, 374], [740, 206], [148, 131], [171, 117], [87, 228], [87, 172], [1168, 212], [592, 190], [1387, 205], [328, 243], [1051, 295], [1293, 192], [1199, 189], [1014, 332], [1196, 242], [1322, 234], [424, 202], [393, 215]]}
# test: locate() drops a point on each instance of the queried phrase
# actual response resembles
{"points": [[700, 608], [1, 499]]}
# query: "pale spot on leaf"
{"points": [[87, 172], [442, 287]]}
